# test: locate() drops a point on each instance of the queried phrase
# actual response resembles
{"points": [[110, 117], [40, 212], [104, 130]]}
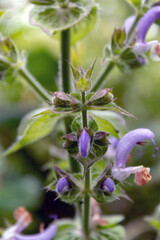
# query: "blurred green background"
{"points": [[24, 174]]}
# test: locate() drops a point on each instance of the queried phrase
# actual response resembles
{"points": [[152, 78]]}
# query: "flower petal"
{"points": [[122, 173], [128, 142], [47, 234], [146, 21], [143, 47], [84, 143]]}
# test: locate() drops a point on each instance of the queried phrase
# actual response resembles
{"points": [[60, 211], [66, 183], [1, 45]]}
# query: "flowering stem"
{"points": [[65, 73], [99, 82], [86, 209], [36, 86], [86, 216]]}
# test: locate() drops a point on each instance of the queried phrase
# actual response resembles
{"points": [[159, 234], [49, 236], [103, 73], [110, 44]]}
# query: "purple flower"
{"points": [[63, 185], [119, 170], [84, 143], [111, 147], [108, 185], [23, 219], [128, 23], [141, 47]]}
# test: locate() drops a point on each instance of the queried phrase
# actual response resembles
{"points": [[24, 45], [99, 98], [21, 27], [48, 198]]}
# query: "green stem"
{"points": [[36, 86], [99, 82], [86, 209], [65, 71], [86, 216], [65, 56], [84, 110], [103, 76]]}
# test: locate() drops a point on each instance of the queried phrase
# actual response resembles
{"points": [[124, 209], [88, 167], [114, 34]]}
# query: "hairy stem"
{"points": [[100, 80], [86, 209], [65, 56], [86, 215], [36, 86], [65, 73]]}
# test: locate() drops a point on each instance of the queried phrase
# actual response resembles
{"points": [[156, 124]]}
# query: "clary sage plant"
{"points": [[89, 136]]}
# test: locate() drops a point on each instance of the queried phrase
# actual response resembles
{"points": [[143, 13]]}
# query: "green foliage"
{"points": [[19, 190], [154, 220], [56, 17], [85, 26], [32, 128], [138, 4], [69, 230], [118, 39], [129, 61], [106, 126], [10, 60]]}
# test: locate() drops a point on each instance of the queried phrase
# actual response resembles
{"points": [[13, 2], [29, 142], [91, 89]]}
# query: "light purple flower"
{"points": [[128, 23], [119, 170], [63, 185], [111, 148], [108, 185], [141, 47], [14, 232], [84, 143]]}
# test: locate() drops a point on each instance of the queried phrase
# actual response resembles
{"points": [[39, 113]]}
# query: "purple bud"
{"points": [[108, 185], [63, 185], [47, 234], [84, 143]]}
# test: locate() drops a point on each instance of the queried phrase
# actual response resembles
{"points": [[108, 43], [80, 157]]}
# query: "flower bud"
{"points": [[84, 143], [63, 185], [108, 185]]}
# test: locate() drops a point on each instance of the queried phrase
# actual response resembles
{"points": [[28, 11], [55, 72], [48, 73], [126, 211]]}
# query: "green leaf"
{"points": [[115, 233], [154, 220], [118, 39], [115, 119], [67, 230], [42, 2], [56, 17], [11, 74], [136, 3], [76, 124], [33, 128], [104, 125], [128, 61], [84, 27]]}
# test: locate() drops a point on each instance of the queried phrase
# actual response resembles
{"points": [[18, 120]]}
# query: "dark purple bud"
{"points": [[63, 185], [108, 185], [84, 143]]}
